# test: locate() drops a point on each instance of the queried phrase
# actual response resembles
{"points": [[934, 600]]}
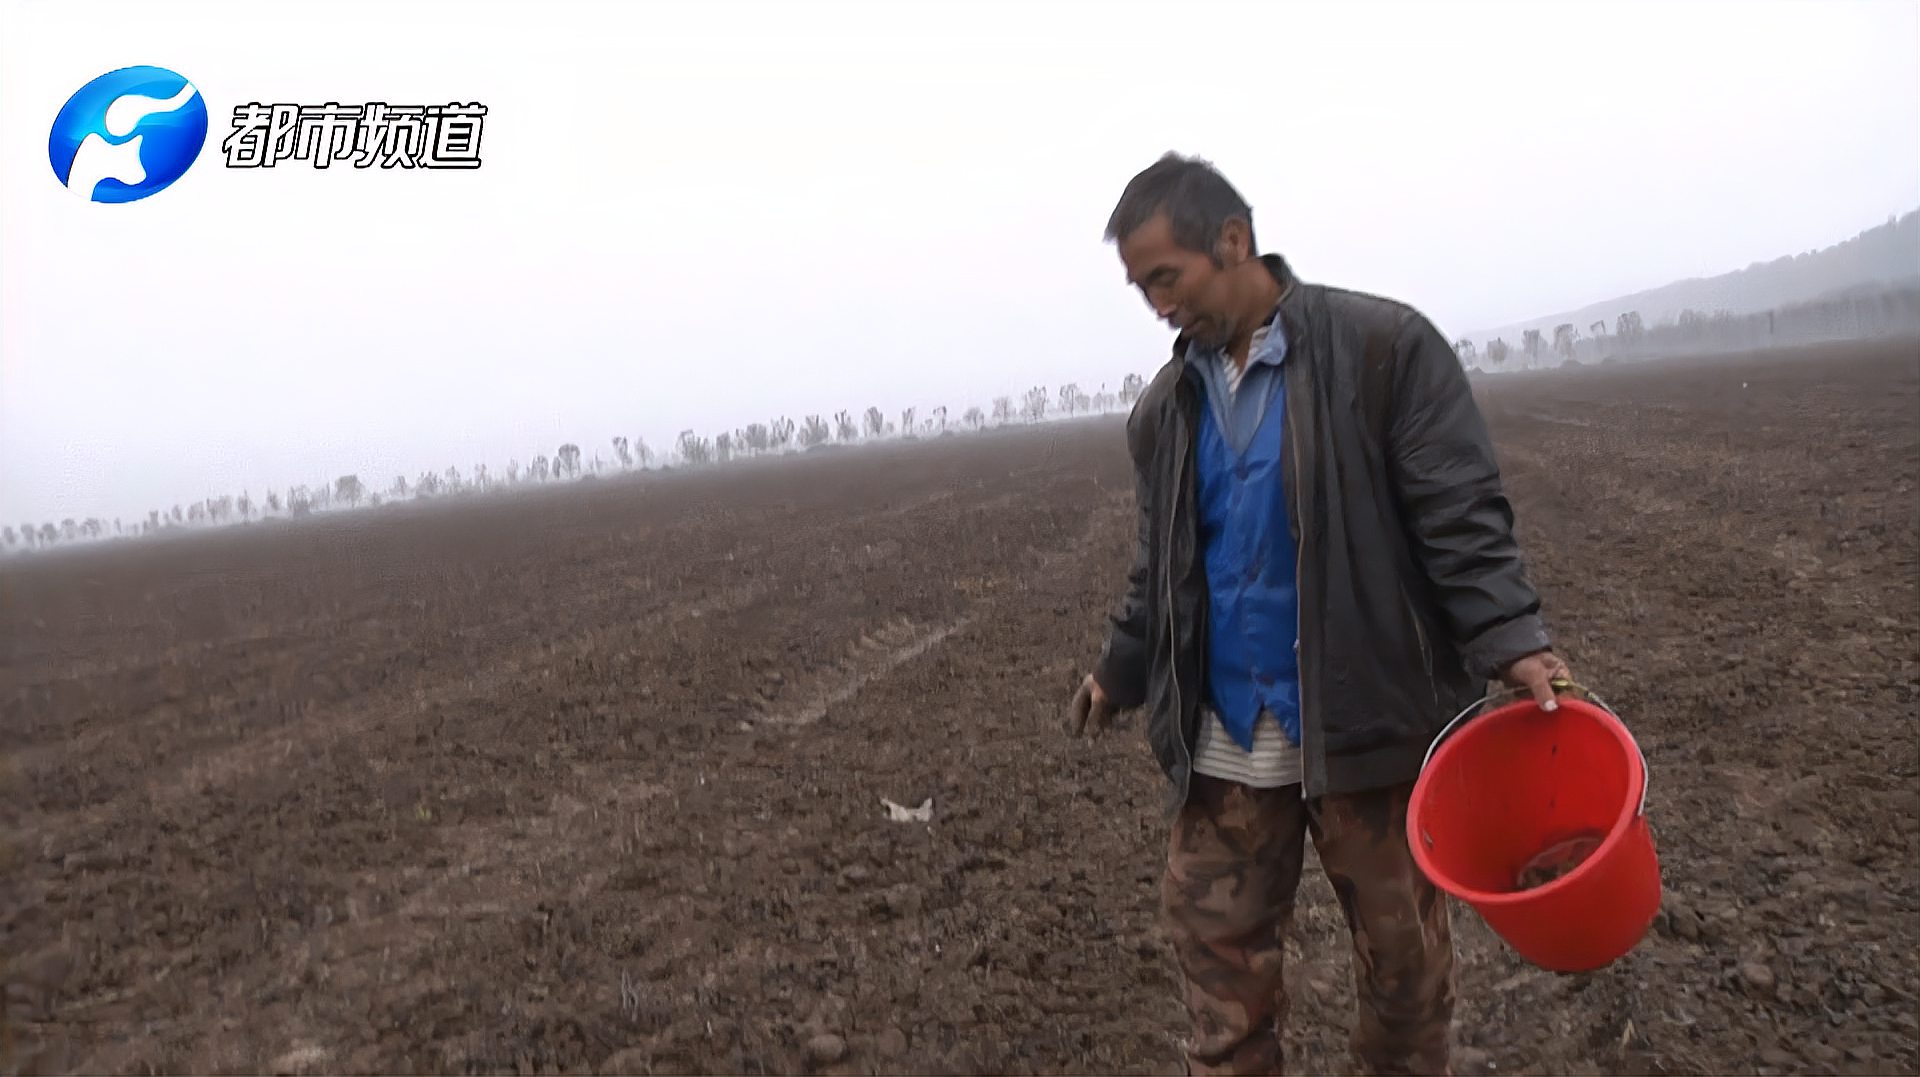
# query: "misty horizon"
{"points": [[1886, 255], [805, 246]]}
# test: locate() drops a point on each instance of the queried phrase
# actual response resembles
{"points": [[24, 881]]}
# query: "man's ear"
{"points": [[1235, 245]]}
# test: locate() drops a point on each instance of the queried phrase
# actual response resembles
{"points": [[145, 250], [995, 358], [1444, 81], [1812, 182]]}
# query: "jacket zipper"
{"points": [[1298, 525], [1173, 642]]}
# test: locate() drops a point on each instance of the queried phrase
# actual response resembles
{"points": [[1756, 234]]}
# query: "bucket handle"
{"points": [[1646, 772]]}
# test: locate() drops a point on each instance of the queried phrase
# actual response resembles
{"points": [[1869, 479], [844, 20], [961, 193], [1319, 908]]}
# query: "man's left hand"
{"points": [[1536, 673]]}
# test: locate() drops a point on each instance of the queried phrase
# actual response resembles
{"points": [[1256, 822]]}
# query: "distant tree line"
{"points": [[1863, 314], [569, 463]]}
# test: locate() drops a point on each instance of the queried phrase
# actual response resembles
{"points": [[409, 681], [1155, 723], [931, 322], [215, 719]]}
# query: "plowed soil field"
{"points": [[591, 779]]}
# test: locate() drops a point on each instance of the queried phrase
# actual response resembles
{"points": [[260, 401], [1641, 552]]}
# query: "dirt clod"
{"points": [[826, 1049], [1758, 977]]}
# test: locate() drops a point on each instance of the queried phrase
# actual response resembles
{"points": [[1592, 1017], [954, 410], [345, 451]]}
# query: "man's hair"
{"points": [[1197, 199]]}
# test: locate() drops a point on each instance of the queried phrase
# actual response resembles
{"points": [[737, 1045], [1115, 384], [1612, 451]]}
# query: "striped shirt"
{"points": [[1275, 760]]}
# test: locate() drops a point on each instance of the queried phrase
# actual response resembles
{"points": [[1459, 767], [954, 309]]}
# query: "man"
{"points": [[1325, 573]]}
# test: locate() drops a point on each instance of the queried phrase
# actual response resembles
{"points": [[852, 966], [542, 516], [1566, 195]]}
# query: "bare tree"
{"points": [[1497, 352], [245, 506], [756, 438], [723, 448], [1036, 408], [541, 469], [1002, 410], [1069, 397], [844, 426], [48, 536], [906, 422], [694, 449], [974, 418], [816, 432], [1628, 326], [624, 453], [940, 419], [781, 433], [348, 489], [513, 472], [567, 460], [1565, 336], [1597, 329], [876, 424], [1467, 353], [1131, 387], [643, 454], [11, 539]]}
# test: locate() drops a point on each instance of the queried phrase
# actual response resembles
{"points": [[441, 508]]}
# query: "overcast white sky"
{"points": [[706, 214]]}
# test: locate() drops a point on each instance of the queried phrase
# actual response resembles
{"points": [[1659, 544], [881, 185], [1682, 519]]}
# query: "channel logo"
{"points": [[128, 134]]}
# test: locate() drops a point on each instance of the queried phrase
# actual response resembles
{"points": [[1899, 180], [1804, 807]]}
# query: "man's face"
{"points": [[1184, 287]]}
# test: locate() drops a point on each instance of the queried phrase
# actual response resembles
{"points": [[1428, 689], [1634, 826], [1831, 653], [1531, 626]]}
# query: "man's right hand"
{"points": [[1090, 709]]}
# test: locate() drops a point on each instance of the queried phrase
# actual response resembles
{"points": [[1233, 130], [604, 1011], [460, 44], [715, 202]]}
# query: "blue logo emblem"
{"points": [[128, 134]]}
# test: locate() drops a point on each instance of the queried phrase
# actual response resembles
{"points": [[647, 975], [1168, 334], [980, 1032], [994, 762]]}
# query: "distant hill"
{"points": [[1886, 257]]}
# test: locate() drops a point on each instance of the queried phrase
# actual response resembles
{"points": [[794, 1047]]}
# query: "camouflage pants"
{"points": [[1233, 866]]}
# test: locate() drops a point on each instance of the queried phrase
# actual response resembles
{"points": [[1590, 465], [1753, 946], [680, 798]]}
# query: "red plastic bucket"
{"points": [[1518, 786]]}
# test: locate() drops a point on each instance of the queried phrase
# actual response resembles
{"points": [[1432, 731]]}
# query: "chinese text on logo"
{"points": [[403, 136]]}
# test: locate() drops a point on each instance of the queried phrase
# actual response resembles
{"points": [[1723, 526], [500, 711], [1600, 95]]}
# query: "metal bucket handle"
{"points": [[1646, 772]]}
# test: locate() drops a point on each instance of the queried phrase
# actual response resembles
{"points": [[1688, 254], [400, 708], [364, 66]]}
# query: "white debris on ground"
{"points": [[899, 814]]}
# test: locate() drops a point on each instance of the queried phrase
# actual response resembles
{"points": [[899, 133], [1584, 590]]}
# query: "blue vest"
{"points": [[1254, 606]]}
